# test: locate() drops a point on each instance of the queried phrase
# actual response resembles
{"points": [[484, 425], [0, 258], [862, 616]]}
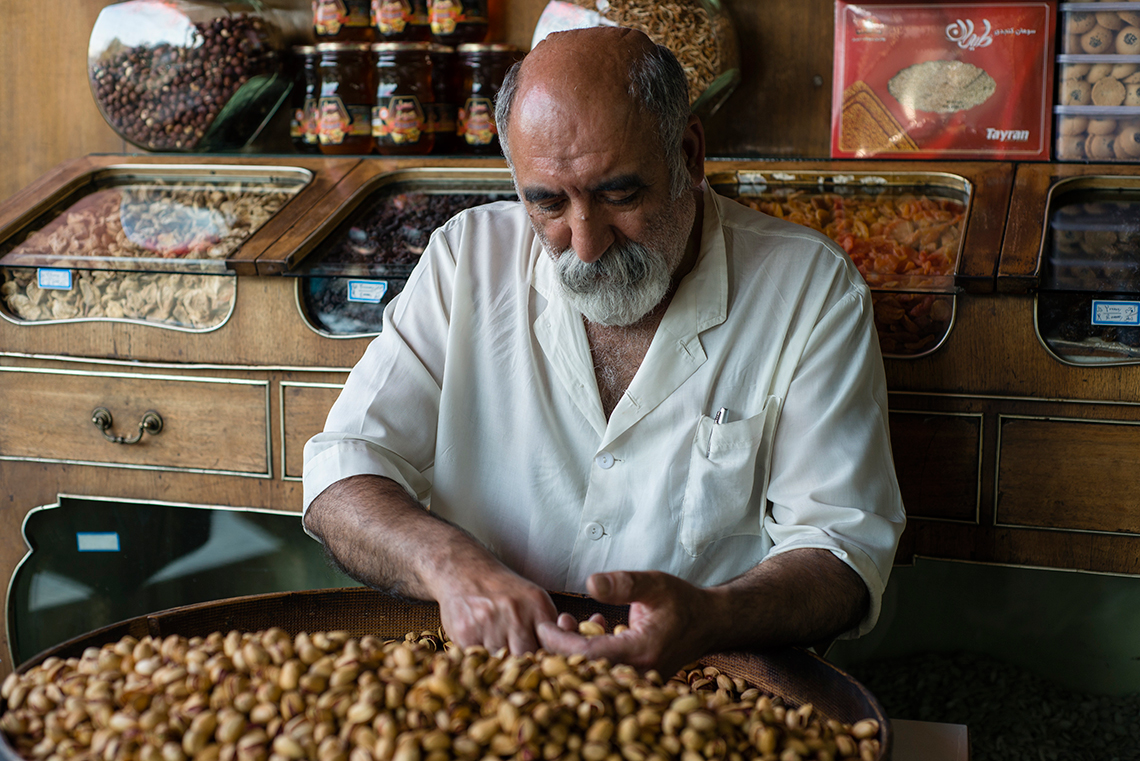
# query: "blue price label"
{"points": [[97, 541], [1116, 312], [367, 291], [59, 280]]}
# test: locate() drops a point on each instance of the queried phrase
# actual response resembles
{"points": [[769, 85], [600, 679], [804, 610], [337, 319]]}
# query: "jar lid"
{"points": [[389, 47], [303, 49], [325, 47], [487, 47], [441, 49]]}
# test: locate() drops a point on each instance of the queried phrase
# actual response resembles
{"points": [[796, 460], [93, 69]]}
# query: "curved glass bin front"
{"points": [[1087, 311]]}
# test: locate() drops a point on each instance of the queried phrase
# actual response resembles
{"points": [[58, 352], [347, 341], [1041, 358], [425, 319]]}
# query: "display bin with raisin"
{"points": [[367, 259]]}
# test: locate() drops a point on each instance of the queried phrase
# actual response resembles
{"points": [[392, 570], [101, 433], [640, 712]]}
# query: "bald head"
{"points": [[607, 69]]}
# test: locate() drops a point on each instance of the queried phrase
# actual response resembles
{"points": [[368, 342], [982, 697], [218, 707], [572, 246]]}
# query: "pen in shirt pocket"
{"points": [[718, 418]]}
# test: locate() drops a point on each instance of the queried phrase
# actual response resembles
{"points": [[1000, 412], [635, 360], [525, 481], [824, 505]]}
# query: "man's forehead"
{"points": [[603, 48]]}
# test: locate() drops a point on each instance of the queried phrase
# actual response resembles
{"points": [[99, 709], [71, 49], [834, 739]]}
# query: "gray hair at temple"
{"points": [[657, 82]]}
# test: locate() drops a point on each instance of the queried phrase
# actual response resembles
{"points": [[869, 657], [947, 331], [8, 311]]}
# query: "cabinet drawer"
{"points": [[937, 461], [212, 425], [304, 408], [1068, 474]]}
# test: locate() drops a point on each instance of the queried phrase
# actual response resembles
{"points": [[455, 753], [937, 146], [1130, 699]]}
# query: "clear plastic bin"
{"points": [[1088, 307], [144, 244]]}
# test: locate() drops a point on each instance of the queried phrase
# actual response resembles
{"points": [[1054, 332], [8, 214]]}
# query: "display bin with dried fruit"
{"points": [[143, 244], [365, 252], [1098, 83], [904, 232]]}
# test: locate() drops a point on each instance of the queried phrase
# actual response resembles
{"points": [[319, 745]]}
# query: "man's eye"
{"points": [[549, 207], [620, 199]]}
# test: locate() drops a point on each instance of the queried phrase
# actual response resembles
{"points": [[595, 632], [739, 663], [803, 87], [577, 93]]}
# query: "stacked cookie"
{"points": [[1098, 96]]}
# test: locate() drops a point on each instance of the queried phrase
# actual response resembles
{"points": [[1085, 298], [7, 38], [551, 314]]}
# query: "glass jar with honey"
{"points": [[401, 20], [303, 98], [344, 110], [401, 117], [454, 22], [342, 21], [481, 67]]}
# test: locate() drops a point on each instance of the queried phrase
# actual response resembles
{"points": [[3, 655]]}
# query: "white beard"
{"points": [[619, 288]]}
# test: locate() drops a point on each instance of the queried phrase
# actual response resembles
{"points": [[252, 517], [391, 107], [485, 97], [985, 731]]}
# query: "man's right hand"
{"points": [[494, 607], [379, 535]]}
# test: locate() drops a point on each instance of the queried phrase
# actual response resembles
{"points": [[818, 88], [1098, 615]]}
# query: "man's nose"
{"points": [[590, 234]]}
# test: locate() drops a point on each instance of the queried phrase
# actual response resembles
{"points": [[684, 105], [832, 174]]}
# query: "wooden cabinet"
{"points": [[1004, 453]]}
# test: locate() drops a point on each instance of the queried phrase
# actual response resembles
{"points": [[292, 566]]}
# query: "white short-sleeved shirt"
{"points": [[479, 397]]}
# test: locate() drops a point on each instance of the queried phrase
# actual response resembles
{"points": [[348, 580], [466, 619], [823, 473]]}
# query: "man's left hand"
{"points": [[667, 620]]}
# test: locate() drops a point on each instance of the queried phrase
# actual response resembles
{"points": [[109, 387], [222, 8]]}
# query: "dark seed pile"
{"points": [[1012, 714]]}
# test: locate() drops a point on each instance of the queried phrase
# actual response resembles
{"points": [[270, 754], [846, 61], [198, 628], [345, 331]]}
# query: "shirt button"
{"points": [[594, 530], [605, 460]]}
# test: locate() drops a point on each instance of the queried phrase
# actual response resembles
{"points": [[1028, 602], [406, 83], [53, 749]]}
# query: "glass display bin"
{"points": [[149, 244], [1088, 304], [903, 230], [364, 254]]}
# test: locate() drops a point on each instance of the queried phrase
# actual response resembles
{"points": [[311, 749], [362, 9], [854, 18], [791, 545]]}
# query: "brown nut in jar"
{"points": [[166, 95]]}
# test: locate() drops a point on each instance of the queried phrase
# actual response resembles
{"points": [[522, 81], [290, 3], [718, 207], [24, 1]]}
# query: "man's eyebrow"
{"points": [[622, 182], [538, 195]]}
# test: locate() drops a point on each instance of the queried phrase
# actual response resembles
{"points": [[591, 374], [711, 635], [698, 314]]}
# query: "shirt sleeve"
{"points": [[384, 422], [832, 484]]}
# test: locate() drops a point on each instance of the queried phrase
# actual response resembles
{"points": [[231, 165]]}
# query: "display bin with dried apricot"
{"points": [[904, 243]]}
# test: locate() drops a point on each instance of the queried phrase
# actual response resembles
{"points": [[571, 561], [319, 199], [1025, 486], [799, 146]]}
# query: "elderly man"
{"points": [[624, 385]]}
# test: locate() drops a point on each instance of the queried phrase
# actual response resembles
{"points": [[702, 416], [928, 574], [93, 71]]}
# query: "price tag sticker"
{"points": [[53, 279], [97, 541], [1116, 313], [367, 291]]}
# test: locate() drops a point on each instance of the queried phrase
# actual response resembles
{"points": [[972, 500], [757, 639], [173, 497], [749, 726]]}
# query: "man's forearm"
{"points": [[382, 537], [803, 597], [378, 534]]}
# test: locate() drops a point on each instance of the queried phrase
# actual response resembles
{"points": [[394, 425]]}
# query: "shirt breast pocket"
{"points": [[722, 496]]}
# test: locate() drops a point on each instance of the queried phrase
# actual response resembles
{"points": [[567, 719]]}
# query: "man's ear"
{"points": [[693, 146]]}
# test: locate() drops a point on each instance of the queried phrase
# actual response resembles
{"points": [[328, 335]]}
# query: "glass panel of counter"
{"points": [[1088, 305], [144, 244], [364, 255], [903, 230]]}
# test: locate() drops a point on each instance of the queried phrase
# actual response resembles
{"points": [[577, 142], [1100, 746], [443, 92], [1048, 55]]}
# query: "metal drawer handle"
{"points": [[151, 423]]}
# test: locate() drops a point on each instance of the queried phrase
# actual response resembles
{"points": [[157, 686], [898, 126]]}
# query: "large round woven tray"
{"points": [[797, 676]]}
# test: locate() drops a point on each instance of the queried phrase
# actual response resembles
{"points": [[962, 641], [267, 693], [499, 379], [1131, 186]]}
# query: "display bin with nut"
{"points": [[355, 673], [1098, 83], [1088, 305], [904, 230], [363, 254], [151, 244]]}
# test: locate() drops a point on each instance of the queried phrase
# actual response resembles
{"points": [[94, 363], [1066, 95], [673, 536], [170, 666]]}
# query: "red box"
{"points": [[946, 80]]}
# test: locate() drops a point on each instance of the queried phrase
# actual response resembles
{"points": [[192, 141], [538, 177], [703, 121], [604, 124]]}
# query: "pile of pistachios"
{"points": [[269, 696]]}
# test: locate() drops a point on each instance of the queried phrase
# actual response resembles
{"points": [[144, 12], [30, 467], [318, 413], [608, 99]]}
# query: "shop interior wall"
{"points": [[781, 108]]}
